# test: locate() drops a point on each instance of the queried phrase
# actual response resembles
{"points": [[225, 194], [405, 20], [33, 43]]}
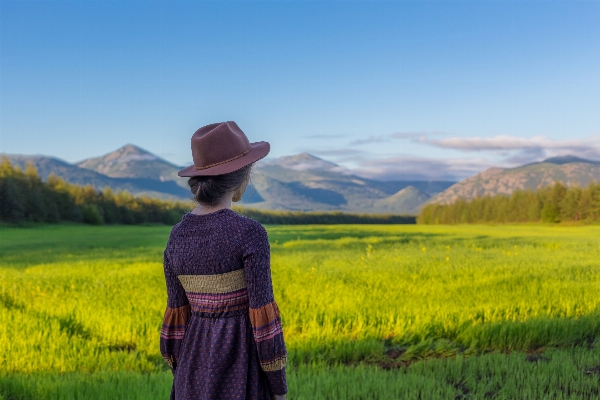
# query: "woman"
{"points": [[221, 333]]}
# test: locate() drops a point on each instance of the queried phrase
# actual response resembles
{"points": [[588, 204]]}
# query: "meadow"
{"points": [[369, 311]]}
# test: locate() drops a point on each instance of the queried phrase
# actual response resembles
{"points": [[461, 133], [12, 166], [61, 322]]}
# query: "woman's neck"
{"points": [[202, 209]]}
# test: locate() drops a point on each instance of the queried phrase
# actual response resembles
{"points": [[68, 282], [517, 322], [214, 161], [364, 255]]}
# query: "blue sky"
{"points": [[391, 90]]}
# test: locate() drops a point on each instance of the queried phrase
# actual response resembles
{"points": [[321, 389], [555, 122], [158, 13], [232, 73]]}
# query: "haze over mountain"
{"points": [[299, 182], [131, 161], [81, 176], [570, 170], [409, 198], [308, 183], [305, 162]]}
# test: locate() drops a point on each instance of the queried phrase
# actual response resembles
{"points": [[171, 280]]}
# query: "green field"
{"points": [[369, 312]]}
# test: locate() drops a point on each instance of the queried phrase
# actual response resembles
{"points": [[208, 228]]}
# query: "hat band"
{"points": [[223, 162]]}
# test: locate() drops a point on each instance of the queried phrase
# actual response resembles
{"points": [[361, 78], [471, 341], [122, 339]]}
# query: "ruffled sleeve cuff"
{"points": [[172, 332], [272, 353]]}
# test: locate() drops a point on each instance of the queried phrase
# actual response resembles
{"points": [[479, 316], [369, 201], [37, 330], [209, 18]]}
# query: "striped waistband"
{"points": [[219, 283], [218, 294]]}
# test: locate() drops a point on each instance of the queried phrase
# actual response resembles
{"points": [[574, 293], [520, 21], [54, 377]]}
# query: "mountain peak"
{"points": [[304, 162], [303, 157], [130, 152], [131, 161], [133, 148], [561, 160]]}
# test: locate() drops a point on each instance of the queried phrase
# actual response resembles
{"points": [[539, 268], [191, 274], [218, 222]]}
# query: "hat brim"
{"points": [[258, 151]]}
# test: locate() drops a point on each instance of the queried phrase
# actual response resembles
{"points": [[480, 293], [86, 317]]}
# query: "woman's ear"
{"points": [[239, 192], [237, 195]]}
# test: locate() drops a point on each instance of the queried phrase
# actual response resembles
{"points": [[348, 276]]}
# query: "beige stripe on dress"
{"points": [[219, 283]]}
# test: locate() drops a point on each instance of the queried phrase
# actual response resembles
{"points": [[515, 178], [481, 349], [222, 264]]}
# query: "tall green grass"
{"points": [[561, 374], [85, 304], [436, 292]]}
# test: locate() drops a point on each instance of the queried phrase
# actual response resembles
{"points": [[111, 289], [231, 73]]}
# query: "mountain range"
{"points": [[308, 183], [301, 182]]}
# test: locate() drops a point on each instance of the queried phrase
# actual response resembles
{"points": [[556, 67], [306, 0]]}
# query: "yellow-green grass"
{"points": [[435, 291], [561, 375], [76, 300]]}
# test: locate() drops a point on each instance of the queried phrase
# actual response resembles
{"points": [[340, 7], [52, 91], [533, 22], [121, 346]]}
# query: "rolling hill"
{"points": [[410, 198], [570, 170]]}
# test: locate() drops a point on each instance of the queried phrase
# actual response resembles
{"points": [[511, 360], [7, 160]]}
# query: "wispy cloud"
{"points": [[419, 168], [412, 136], [524, 156], [417, 136], [480, 154], [371, 139], [344, 151], [404, 167], [325, 136], [505, 142], [496, 143], [341, 155], [517, 150]]}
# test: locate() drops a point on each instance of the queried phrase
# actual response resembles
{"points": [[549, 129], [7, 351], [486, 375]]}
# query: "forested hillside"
{"points": [[550, 204], [24, 197], [301, 182], [569, 170]]}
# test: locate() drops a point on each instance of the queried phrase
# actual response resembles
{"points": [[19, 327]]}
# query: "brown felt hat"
{"points": [[222, 148]]}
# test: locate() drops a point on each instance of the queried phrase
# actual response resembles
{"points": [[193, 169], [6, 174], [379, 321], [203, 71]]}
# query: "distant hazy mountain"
{"points": [[306, 182], [300, 182], [410, 198], [305, 162], [570, 170], [133, 162], [569, 160], [81, 176]]}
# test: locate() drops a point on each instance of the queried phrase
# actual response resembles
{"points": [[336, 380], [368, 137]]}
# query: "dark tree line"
{"points": [[24, 197], [552, 204], [322, 217]]}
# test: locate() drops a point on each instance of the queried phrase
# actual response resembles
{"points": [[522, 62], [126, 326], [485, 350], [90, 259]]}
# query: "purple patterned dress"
{"points": [[221, 333]]}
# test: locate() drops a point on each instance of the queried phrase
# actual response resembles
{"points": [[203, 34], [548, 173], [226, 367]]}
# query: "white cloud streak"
{"points": [[325, 136], [505, 142], [497, 143], [420, 168], [412, 136], [500, 151], [517, 151]]}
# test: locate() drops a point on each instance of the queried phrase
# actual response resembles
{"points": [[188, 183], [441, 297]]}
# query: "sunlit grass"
{"points": [[436, 292], [76, 299]]}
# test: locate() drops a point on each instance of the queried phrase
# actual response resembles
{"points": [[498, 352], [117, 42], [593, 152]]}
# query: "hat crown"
{"points": [[218, 143], [222, 148]]}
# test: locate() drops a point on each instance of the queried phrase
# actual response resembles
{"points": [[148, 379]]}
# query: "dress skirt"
{"points": [[219, 361]]}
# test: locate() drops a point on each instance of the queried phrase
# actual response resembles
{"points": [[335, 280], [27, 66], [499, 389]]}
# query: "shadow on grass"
{"points": [[469, 339], [122, 385]]}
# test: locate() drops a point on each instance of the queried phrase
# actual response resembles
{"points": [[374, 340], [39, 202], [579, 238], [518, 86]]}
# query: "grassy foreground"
{"points": [[369, 312], [561, 375]]}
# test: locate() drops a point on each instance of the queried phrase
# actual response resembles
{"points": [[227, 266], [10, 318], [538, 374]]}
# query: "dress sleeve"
{"points": [[264, 313], [176, 317]]}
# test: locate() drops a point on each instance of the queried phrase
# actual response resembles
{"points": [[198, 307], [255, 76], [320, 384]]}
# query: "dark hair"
{"points": [[209, 190]]}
